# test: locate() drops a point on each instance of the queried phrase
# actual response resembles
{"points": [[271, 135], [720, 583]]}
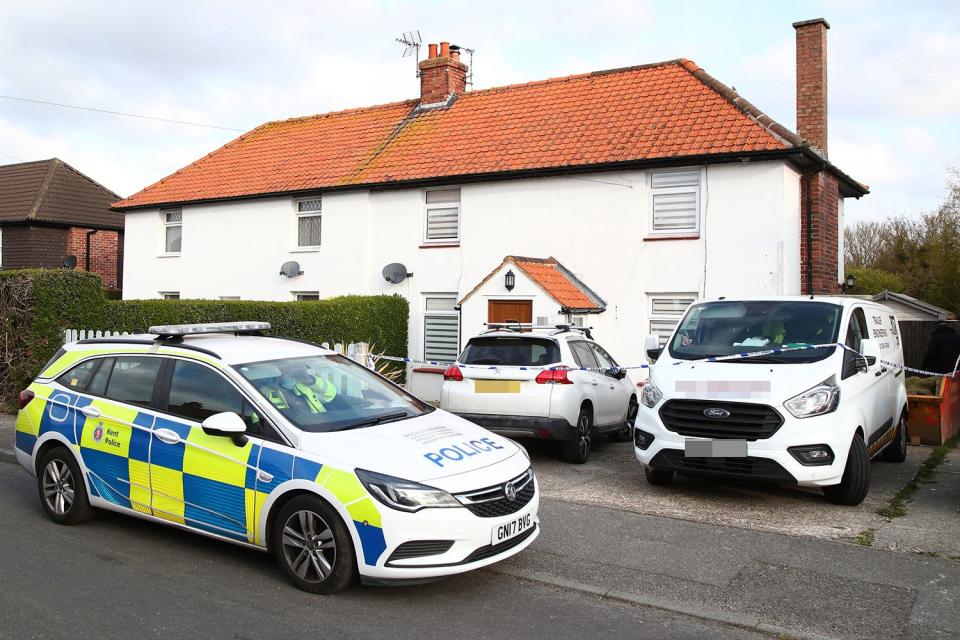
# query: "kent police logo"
{"points": [[98, 433]]}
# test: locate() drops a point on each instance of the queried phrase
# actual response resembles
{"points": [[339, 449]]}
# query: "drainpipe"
{"points": [[809, 196], [87, 261]]}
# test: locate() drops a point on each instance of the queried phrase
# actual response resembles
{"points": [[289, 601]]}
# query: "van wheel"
{"points": [[896, 451], [855, 483], [62, 490], [313, 546], [577, 451], [625, 433], [658, 477]]}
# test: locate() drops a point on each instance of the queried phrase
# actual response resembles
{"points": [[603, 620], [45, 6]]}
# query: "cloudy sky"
{"points": [[894, 86]]}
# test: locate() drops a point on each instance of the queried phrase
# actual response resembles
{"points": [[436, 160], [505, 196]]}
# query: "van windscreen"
{"points": [[725, 328], [511, 352]]}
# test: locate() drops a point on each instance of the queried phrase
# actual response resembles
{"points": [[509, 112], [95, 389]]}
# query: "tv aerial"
{"points": [[395, 273], [411, 42], [291, 269]]}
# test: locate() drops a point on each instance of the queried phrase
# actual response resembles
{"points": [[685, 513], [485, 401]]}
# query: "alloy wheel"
{"points": [[308, 546], [583, 433], [58, 486]]}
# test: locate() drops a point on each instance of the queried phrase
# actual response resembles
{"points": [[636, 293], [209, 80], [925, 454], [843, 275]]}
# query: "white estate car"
{"points": [[812, 417], [277, 445], [525, 384]]}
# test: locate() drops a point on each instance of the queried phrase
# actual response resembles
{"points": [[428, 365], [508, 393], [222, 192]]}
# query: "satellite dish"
{"points": [[395, 273], [70, 262], [291, 269]]}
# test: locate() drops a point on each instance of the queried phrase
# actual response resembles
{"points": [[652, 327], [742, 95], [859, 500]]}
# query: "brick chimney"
{"points": [[441, 74], [812, 81], [819, 192]]}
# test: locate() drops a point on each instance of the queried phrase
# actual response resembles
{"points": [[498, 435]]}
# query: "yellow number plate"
{"points": [[496, 386]]}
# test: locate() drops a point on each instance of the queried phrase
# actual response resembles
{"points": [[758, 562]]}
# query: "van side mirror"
{"points": [[226, 424], [869, 355], [651, 345]]}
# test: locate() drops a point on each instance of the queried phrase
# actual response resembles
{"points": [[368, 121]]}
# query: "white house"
{"points": [[636, 189]]}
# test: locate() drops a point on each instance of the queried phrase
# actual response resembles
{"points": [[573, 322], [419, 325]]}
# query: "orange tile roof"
{"points": [[664, 110], [555, 279]]}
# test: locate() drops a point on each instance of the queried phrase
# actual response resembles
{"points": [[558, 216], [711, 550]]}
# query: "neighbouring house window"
{"points": [[443, 216], [229, 297], [308, 222], [666, 311], [675, 202], [170, 295], [441, 328], [173, 230], [306, 296]]}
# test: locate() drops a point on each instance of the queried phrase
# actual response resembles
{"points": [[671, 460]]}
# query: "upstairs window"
{"points": [[170, 295], [675, 202], [442, 224], [308, 223], [173, 229], [306, 296], [666, 311]]}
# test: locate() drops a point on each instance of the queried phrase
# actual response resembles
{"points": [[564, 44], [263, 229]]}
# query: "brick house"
{"points": [[52, 215], [654, 184]]}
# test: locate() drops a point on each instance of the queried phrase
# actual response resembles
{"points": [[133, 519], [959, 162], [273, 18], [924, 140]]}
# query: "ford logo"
{"points": [[510, 492], [716, 412]]}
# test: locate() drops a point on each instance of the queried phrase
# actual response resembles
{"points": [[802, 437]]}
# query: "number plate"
{"points": [[496, 386], [715, 449], [511, 528]]}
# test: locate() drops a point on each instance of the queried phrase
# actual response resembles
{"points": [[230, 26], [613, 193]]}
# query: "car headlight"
{"points": [[404, 495], [650, 394], [815, 401]]}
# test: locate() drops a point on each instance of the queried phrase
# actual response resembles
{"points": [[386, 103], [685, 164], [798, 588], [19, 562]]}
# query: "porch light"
{"points": [[851, 282], [510, 280]]}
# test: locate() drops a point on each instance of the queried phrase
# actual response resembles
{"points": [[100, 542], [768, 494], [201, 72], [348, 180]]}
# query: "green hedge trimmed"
{"points": [[37, 305]]}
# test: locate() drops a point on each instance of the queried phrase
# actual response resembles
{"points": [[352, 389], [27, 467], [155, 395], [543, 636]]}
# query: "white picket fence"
{"points": [[356, 351]]}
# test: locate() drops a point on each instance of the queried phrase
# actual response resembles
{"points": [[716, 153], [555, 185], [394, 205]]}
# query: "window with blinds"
{"points": [[172, 229], [442, 223], [675, 201], [441, 328], [308, 222], [666, 311]]}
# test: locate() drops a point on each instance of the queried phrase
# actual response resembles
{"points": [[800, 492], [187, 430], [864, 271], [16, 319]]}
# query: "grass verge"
{"points": [[897, 507]]}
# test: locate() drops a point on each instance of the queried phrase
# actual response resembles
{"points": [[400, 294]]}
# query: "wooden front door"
{"points": [[510, 311]]}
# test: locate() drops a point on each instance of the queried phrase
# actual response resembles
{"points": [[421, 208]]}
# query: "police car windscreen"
{"points": [[330, 393], [728, 327], [511, 351]]}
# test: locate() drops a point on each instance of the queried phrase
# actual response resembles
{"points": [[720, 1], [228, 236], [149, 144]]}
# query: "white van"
{"points": [[811, 417]]}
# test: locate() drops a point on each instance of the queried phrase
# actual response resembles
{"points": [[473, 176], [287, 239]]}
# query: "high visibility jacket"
{"points": [[275, 396], [316, 394]]}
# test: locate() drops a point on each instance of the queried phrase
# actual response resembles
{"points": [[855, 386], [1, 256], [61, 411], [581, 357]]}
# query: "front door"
{"points": [[510, 311], [204, 481]]}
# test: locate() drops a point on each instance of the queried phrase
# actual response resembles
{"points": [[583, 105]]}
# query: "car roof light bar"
{"points": [[180, 330]]}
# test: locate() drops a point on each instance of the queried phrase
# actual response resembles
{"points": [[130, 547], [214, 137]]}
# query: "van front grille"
{"points": [[735, 420]]}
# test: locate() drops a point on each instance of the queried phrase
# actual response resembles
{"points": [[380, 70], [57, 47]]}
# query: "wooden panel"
{"points": [[510, 310]]}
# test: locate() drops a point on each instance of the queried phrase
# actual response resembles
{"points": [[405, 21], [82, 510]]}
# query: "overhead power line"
{"points": [[7, 155], [121, 113]]}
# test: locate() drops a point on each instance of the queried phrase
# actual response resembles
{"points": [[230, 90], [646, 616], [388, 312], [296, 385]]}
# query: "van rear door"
{"points": [[499, 376]]}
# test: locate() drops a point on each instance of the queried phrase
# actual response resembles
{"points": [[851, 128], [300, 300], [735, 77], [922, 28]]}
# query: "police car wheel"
{"points": [[62, 492], [313, 546]]}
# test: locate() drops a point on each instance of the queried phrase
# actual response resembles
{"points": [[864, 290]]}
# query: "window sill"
{"points": [[305, 250], [438, 370], [440, 245], [659, 238], [168, 255]]}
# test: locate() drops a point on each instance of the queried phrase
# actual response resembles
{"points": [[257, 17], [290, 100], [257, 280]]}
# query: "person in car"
{"points": [[297, 387]]}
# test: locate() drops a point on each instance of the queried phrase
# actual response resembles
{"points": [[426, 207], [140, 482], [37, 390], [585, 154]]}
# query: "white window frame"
{"points": [[306, 214], [229, 297], [445, 314], [169, 295], [427, 208], [298, 295], [168, 225], [672, 316], [682, 189]]}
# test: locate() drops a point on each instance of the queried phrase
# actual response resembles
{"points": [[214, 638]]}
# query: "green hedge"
{"points": [[37, 305]]}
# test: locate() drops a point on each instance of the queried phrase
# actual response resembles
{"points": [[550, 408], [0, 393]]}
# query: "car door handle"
{"points": [[90, 411], [595, 383], [167, 436], [263, 476]]}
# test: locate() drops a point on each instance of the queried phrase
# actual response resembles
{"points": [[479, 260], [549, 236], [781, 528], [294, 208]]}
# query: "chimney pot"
{"points": [[431, 51], [444, 49], [812, 81], [441, 75]]}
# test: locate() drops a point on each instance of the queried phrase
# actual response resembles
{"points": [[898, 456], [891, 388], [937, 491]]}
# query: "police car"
{"points": [[274, 444]]}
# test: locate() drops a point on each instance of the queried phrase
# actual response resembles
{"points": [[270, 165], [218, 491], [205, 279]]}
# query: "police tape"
{"points": [[727, 358]]}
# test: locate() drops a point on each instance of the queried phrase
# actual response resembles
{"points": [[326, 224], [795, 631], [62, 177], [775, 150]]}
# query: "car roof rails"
{"points": [[566, 328], [518, 327]]}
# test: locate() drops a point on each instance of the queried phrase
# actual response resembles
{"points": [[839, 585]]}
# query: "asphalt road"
{"points": [[120, 577]]}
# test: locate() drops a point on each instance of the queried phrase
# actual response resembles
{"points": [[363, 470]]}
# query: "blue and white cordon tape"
{"points": [[735, 356]]}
